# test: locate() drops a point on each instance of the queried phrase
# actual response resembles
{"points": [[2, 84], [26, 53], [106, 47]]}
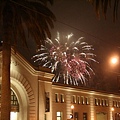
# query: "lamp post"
{"points": [[115, 61], [112, 109], [71, 115]]}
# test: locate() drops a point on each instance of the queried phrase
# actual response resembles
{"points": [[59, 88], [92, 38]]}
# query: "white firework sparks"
{"points": [[69, 61]]}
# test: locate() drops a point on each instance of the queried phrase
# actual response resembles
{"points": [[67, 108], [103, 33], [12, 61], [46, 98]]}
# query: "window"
{"points": [[103, 102], [114, 103], [82, 99], [76, 115], [62, 98], [84, 116], [56, 97], [99, 101], [119, 104], [78, 99], [14, 102], [95, 101], [59, 116], [73, 99], [47, 102], [117, 116], [87, 101], [106, 102]]}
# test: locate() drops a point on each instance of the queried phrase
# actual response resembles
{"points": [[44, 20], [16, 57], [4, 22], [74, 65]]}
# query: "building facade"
{"points": [[35, 97], [84, 104]]}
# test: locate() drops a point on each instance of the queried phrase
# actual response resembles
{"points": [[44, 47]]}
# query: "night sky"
{"points": [[79, 17]]}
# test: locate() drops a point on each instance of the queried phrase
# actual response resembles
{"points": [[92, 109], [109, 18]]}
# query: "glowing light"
{"points": [[13, 116], [112, 109], [114, 60], [72, 106], [67, 59]]}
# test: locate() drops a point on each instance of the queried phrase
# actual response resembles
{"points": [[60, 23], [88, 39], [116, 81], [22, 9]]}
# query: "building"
{"points": [[84, 104], [35, 97], [28, 89]]}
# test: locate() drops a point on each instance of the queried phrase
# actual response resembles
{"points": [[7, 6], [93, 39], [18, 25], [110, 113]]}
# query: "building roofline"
{"points": [[73, 87], [31, 68]]}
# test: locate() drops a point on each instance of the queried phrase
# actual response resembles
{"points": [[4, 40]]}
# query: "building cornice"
{"points": [[36, 71], [84, 90], [18, 59]]}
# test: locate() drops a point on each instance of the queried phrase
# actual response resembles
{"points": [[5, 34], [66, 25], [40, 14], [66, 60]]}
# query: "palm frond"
{"points": [[32, 17], [115, 12], [103, 5]]}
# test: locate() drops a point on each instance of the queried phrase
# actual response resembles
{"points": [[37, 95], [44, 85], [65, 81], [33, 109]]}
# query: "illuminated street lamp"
{"points": [[112, 109], [71, 115], [115, 61], [72, 107]]}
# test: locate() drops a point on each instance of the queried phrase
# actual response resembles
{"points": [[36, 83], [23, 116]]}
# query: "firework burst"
{"points": [[68, 60]]}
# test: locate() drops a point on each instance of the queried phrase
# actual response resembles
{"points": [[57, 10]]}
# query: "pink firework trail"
{"points": [[69, 61]]}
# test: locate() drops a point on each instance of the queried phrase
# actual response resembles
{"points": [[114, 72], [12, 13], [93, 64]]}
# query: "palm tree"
{"points": [[15, 17], [103, 4]]}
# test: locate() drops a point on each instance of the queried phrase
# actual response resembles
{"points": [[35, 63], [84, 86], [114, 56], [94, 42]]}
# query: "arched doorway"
{"points": [[25, 96], [19, 104], [21, 96]]}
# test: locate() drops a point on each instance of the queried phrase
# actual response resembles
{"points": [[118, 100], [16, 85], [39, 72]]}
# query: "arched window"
{"points": [[14, 102]]}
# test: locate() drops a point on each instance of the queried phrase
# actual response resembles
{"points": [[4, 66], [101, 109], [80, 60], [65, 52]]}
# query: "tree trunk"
{"points": [[5, 89], [6, 57]]}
